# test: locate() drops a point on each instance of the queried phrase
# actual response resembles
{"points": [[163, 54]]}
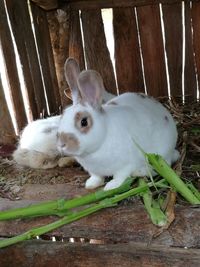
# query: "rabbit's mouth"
{"points": [[67, 143], [66, 154]]}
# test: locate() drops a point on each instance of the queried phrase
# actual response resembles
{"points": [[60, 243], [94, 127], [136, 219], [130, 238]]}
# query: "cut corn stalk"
{"points": [[161, 167], [152, 206], [74, 216], [106, 199], [62, 207], [194, 190]]}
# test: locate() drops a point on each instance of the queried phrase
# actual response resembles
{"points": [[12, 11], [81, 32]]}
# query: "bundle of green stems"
{"points": [[100, 199]]}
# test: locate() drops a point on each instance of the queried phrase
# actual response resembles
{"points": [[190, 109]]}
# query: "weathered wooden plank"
{"points": [[152, 50], [46, 192], [59, 33], [23, 34], [7, 49], [46, 58], [196, 35], [92, 4], [75, 40], [7, 134], [96, 51], [189, 72], [172, 15], [47, 253], [127, 52], [47, 5], [119, 224]]}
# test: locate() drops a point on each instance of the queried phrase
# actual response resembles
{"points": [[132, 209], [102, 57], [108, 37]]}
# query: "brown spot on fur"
{"points": [[79, 117], [69, 140], [112, 103], [142, 95], [48, 130], [166, 118], [102, 110]]}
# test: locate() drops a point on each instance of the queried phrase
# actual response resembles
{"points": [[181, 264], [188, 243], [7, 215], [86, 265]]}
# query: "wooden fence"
{"points": [[157, 49]]}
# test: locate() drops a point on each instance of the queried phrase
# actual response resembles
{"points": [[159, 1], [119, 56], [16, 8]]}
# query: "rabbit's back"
{"points": [[147, 121]]}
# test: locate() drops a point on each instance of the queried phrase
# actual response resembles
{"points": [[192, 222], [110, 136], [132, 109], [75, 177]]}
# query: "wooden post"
{"points": [[7, 134], [196, 35], [127, 52], [152, 50], [172, 15], [75, 40], [96, 51], [46, 58], [47, 5], [23, 34], [190, 73], [7, 48], [59, 33], [93, 4]]}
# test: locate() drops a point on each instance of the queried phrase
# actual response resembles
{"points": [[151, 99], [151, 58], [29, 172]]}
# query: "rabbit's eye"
{"points": [[84, 122]]}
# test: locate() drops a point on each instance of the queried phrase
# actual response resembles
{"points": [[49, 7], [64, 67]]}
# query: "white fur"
{"points": [[40, 135], [108, 148], [37, 145], [35, 140]]}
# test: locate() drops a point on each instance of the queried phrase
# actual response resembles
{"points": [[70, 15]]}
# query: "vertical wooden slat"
{"points": [[7, 134], [7, 48], [47, 5], [58, 22], [127, 52], [172, 17], [96, 51], [189, 74], [75, 40], [46, 58], [23, 34], [152, 50], [196, 35]]}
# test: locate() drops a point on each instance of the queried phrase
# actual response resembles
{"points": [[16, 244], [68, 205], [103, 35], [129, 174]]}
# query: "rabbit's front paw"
{"points": [[112, 184], [94, 181]]}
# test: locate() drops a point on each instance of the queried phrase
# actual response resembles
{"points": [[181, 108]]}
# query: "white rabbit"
{"points": [[100, 137], [37, 145]]}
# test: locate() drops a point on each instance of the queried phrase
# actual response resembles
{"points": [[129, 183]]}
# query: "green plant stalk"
{"points": [[194, 190], [195, 130], [152, 206], [62, 207], [195, 167], [161, 167], [108, 202]]}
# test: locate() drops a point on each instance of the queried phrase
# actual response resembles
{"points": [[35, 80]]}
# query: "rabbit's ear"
{"points": [[72, 72], [91, 87], [68, 93]]}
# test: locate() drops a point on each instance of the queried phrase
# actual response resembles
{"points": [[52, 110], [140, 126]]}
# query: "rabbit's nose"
{"points": [[61, 147]]}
